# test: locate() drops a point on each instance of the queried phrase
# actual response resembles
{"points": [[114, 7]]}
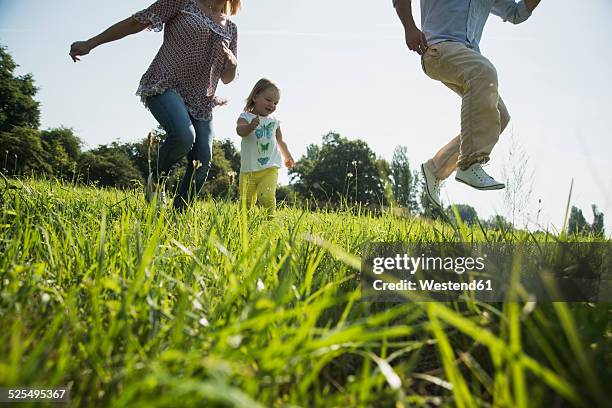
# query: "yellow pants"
{"points": [[259, 187], [483, 113]]}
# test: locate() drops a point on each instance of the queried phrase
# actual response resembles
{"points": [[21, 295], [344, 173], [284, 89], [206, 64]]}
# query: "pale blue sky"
{"points": [[343, 66]]}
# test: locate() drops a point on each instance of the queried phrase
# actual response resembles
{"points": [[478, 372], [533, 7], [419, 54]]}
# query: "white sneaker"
{"points": [[476, 177], [151, 192], [432, 185]]}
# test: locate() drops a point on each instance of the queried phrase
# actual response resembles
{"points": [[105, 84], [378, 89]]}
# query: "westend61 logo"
{"points": [[401, 264], [490, 271], [433, 272], [411, 264]]}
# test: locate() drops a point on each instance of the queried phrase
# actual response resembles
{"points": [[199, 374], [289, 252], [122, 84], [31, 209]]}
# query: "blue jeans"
{"points": [[186, 137]]}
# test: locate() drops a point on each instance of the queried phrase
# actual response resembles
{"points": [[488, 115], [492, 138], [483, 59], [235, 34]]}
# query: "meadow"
{"points": [[128, 307]]}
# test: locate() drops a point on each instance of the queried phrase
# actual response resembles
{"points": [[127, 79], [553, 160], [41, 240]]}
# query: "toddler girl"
{"points": [[262, 148]]}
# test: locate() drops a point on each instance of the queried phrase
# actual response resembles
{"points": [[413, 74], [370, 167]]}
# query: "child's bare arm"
{"points": [[244, 128], [289, 162]]}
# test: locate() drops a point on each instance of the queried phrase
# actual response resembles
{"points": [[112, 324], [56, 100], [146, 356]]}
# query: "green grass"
{"points": [[214, 308]]}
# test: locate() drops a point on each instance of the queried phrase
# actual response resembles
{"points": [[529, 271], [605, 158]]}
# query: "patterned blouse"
{"points": [[191, 59]]}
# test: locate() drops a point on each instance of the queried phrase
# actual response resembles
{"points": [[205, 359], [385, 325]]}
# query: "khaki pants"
{"points": [[483, 113], [259, 187]]}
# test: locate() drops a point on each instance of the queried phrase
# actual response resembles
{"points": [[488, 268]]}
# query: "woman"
{"points": [[199, 48]]}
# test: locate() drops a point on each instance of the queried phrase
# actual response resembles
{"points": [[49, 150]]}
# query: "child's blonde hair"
{"points": [[261, 85], [232, 7]]}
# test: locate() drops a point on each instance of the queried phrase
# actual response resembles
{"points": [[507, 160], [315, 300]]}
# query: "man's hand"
{"points": [[415, 40], [531, 4]]}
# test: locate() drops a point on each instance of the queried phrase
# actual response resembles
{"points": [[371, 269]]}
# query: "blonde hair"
{"points": [[232, 7], [262, 85]]}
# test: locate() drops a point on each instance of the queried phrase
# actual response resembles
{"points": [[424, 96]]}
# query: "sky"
{"points": [[343, 66]]}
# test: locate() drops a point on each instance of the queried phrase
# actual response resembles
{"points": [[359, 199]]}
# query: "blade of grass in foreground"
{"points": [[567, 322], [461, 392], [499, 347], [512, 306]]}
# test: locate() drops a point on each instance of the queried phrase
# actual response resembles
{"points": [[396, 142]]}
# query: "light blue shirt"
{"points": [[464, 20]]}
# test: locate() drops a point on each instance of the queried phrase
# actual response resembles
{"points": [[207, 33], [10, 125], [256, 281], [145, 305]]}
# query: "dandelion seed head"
{"points": [[45, 298]]}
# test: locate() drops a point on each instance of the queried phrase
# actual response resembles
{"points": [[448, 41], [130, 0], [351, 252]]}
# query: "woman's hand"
{"points": [[115, 32], [78, 49], [230, 58], [231, 65]]}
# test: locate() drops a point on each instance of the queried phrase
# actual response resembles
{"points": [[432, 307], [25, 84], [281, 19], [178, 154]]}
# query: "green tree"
{"points": [[20, 143], [467, 213], [287, 194], [497, 222], [17, 105], [598, 222], [62, 149], [110, 166], [144, 150], [23, 151], [405, 182], [384, 172], [137, 153], [577, 224], [231, 154], [338, 169], [221, 182]]}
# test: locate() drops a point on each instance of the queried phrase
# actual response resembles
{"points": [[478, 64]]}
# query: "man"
{"points": [[448, 45]]}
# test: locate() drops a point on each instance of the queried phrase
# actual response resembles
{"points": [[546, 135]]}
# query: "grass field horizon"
{"points": [[128, 306]]}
